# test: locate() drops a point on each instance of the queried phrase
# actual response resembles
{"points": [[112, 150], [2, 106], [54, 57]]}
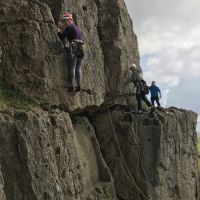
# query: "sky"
{"points": [[168, 34]]}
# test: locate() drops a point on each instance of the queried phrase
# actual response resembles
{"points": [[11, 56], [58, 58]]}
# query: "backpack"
{"points": [[145, 88], [134, 76]]}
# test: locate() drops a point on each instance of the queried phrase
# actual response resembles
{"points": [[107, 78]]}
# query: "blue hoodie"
{"points": [[154, 90]]}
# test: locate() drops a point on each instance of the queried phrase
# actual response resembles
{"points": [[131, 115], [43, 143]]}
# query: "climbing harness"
{"points": [[121, 154]]}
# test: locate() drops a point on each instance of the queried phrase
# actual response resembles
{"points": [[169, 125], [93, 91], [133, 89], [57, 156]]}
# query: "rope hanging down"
{"points": [[121, 154]]}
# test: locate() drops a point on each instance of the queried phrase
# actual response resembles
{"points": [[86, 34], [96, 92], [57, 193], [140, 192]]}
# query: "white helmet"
{"points": [[133, 66]]}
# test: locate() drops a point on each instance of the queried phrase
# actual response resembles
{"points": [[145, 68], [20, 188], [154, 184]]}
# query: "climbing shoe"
{"points": [[78, 89], [71, 89]]}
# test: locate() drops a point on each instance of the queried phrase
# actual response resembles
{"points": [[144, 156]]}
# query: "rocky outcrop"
{"points": [[44, 156], [85, 146], [119, 47], [177, 153], [159, 151], [50, 155], [2, 194], [34, 61]]}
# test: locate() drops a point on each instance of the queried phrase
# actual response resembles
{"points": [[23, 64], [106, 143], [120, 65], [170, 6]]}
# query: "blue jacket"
{"points": [[154, 90]]}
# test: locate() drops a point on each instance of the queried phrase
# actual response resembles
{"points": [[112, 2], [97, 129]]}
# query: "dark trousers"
{"points": [[139, 98], [153, 99], [75, 71]]}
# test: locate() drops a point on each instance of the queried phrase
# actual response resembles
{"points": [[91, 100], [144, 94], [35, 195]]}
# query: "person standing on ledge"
{"points": [[76, 52], [141, 88], [155, 93]]}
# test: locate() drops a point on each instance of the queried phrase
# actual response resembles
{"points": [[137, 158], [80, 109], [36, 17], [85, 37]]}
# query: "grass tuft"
{"points": [[13, 98]]}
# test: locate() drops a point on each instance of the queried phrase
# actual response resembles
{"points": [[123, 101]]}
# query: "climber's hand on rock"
{"points": [[60, 24], [58, 29]]}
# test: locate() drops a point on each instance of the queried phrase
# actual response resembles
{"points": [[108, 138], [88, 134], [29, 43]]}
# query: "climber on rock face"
{"points": [[73, 34], [141, 95], [134, 73], [155, 93], [141, 88]]}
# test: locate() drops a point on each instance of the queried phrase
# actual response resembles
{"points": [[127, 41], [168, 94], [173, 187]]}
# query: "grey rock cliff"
{"points": [[2, 194], [159, 151], [70, 151], [50, 155], [34, 61], [44, 156]]}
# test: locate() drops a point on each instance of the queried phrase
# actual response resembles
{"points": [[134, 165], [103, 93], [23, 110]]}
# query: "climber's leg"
{"points": [[72, 68], [139, 102], [144, 98], [78, 73], [157, 101], [152, 101]]}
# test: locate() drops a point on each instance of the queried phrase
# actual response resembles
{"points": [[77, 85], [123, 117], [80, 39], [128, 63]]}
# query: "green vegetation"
{"points": [[12, 98], [106, 190]]}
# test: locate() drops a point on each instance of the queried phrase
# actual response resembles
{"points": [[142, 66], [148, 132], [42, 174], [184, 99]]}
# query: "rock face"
{"points": [[79, 149], [177, 152], [45, 156], [50, 155], [34, 61], [157, 151], [2, 194]]}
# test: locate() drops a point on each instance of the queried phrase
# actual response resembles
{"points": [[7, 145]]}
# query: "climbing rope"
{"points": [[34, 75], [44, 80], [121, 154], [140, 157]]}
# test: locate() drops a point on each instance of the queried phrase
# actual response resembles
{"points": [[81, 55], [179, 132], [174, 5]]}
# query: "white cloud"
{"points": [[170, 57], [165, 12], [164, 97], [169, 38]]}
